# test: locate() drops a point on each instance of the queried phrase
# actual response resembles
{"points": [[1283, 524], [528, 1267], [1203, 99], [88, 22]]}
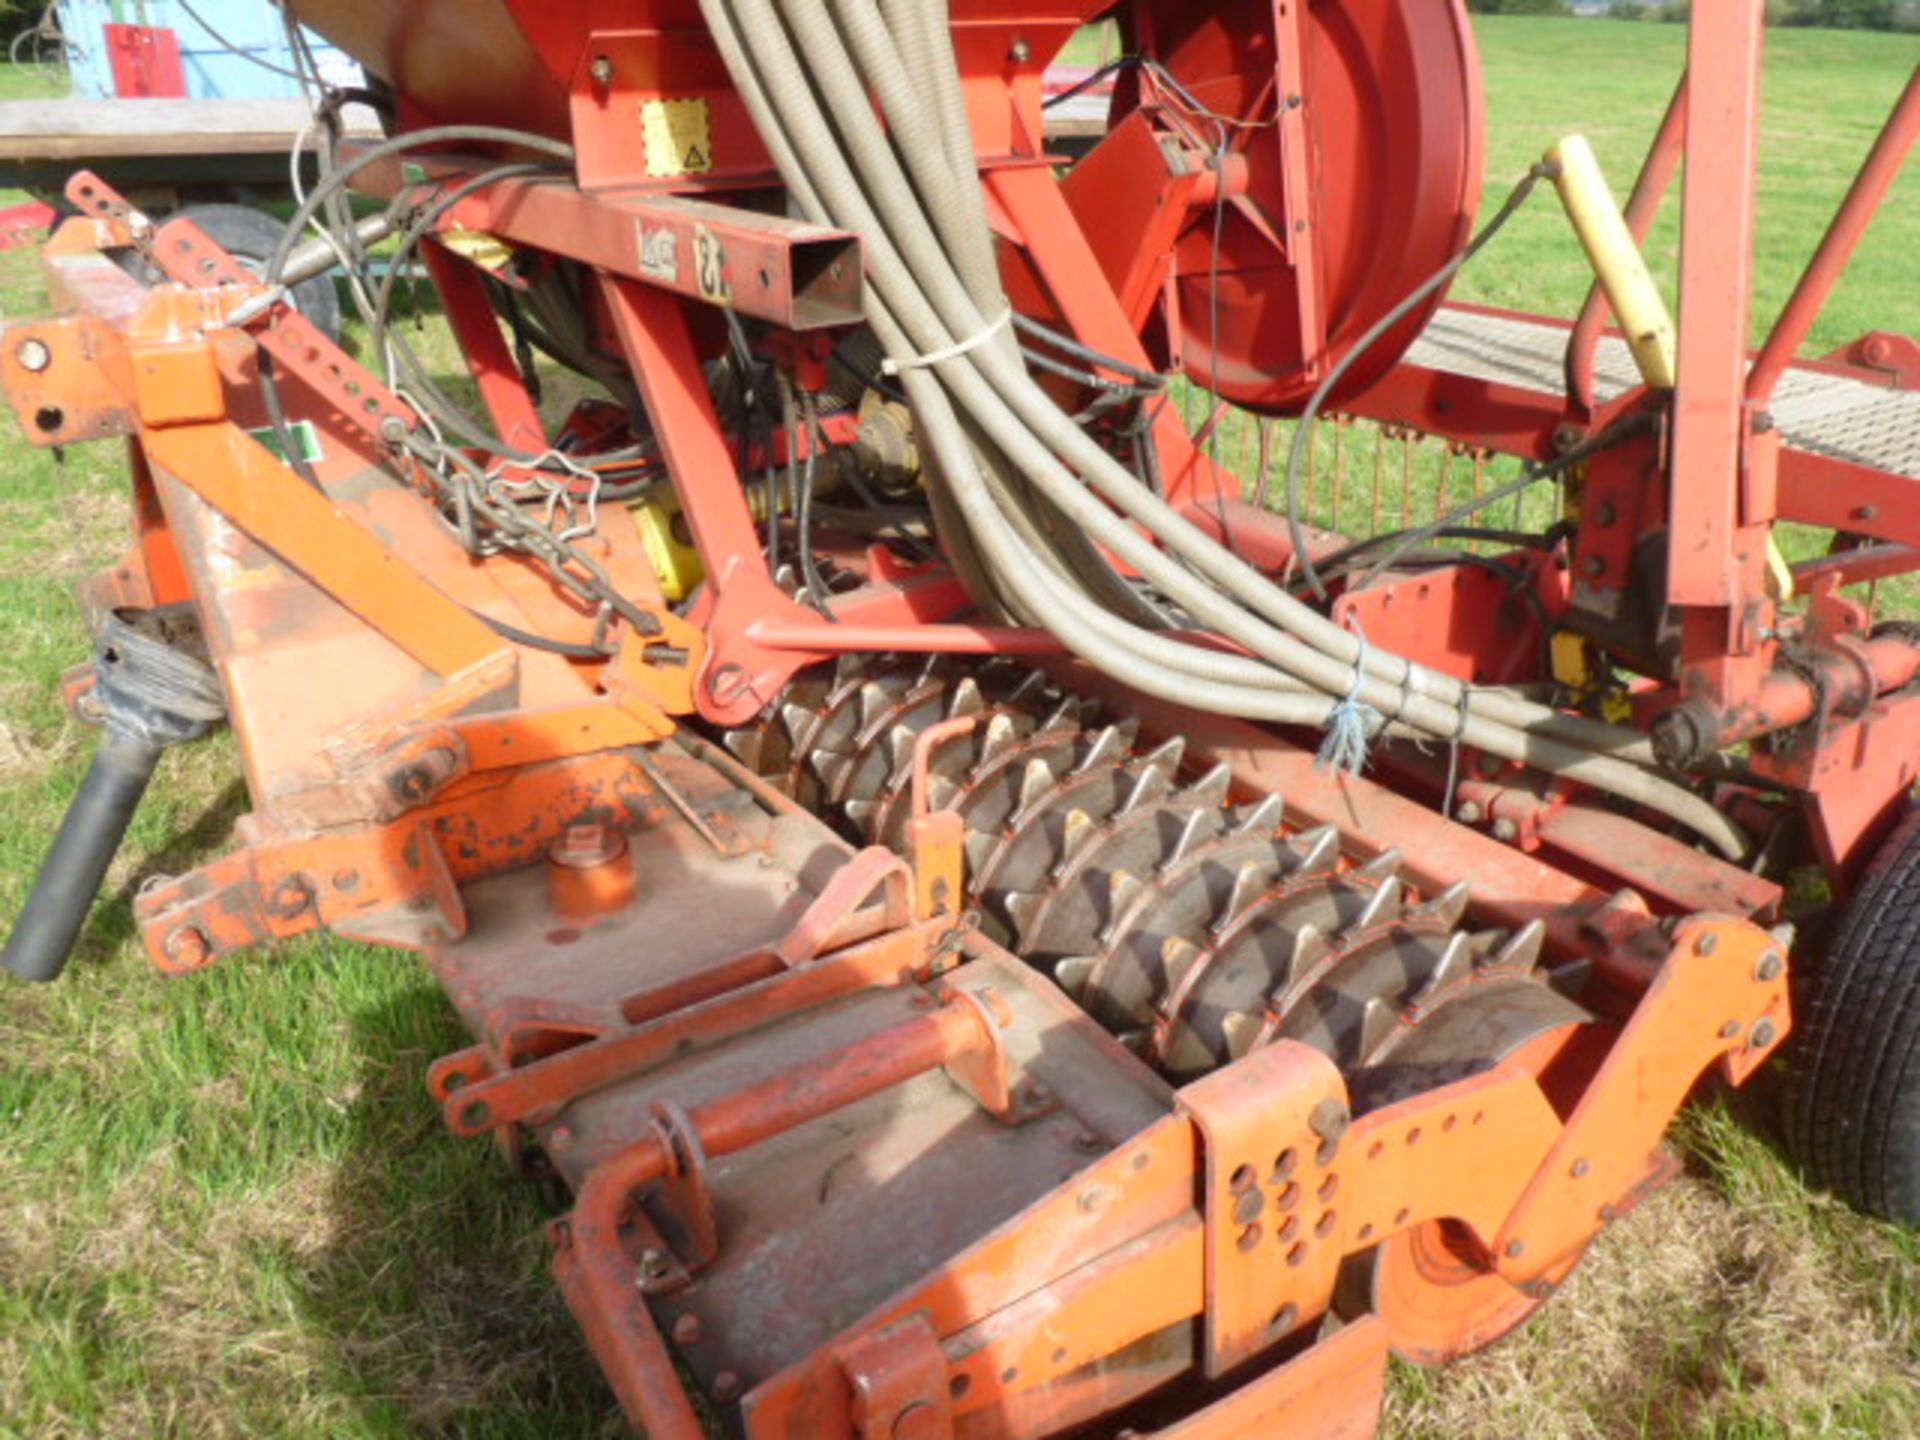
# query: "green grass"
{"points": [[227, 1208]]}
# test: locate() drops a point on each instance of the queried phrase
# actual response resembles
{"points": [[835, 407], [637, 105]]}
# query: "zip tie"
{"points": [[890, 366], [1351, 724]]}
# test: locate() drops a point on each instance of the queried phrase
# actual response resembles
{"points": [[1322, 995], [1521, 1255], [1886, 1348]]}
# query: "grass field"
{"points": [[227, 1208]]}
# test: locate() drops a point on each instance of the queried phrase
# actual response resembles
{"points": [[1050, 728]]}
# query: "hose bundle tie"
{"points": [[954, 351], [1351, 724]]}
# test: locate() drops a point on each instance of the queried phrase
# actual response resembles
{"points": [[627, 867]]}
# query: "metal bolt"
{"points": [[1021, 52], [188, 948], [1730, 1029], [1516, 1248], [1706, 944], [1580, 1169], [686, 1330], [1593, 566], [33, 355], [1770, 966], [560, 1138], [602, 70], [1506, 828], [1865, 512], [1288, 1317], [581, 847], [653, 1266], [729, 683], [1762, 1034], [1609, 1213], [1468, 813], [726, 1385], [1604, 515], [1329, 1119]]}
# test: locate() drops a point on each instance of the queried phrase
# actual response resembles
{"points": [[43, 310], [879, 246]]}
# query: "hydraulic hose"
{"points": [[920, 291]]}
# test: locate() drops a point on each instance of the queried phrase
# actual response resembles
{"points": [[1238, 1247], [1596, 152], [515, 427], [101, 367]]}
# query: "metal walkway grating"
{"points": [[1824, 414]]}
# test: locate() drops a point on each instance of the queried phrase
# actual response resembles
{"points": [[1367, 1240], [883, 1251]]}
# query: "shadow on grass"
{"points": [[433, 1289]]}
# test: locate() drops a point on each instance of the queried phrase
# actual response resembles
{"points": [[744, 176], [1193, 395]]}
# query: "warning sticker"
{"points": [[678, 136]]}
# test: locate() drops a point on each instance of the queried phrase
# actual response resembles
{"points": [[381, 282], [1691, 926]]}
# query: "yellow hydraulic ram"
{"points": [[1616, 260]]}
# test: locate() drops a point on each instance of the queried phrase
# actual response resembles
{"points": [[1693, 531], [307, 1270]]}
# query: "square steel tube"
{"points": [[797, 275]]}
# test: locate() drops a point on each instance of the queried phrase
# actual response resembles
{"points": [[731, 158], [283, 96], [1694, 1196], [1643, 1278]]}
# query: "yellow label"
{"points": [[678, 136]]}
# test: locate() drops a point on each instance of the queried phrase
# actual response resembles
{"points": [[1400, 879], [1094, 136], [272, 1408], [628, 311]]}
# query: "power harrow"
{"points": [[991, 931]]}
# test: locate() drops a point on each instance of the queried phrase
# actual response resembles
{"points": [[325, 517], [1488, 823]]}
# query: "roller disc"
{"points": [[1393, 115]]}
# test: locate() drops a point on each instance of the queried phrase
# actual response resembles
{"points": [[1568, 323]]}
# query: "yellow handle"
{"points": [[1616, 260]]}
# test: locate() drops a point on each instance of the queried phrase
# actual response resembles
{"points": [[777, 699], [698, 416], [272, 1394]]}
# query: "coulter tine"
{"points": [[1177, 955], [1241, 1030], [1249, 884], [1318, 849], [1035, 781], [1521, 951], [1064, 716], [1023, 908], [1448, 906], [1071, 973], [1002, 731], [874, 700], [1454, 966], [1193, 829], [1211, 788], [1263, 818], [1378, 1021], [1167, 756], [1108, 744], [966, 699], [1382, 905], [795, 719], [1079, 830], [1380, 867]]}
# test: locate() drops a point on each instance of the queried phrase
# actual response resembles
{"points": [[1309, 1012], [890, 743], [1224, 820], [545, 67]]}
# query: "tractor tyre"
{"points": [[1853, 1085]]}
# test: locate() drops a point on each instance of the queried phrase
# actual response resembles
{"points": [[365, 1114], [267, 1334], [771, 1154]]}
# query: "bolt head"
{"points": [[33, 355], [187, 947], [1706, 944], [1505, 828], [726, 1385], [1770, 967], [581, 847], [686, 1330], [1516, 1248], [1762, 1034]]}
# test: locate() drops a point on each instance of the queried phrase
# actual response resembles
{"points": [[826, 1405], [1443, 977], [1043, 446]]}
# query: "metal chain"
{"points": [[532, 511]]}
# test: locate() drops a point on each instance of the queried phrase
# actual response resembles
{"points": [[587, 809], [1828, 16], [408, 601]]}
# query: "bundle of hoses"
{"points": [[1026, 498]]}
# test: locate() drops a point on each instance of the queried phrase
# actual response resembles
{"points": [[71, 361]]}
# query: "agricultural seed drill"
{"points": [[997, 933]]}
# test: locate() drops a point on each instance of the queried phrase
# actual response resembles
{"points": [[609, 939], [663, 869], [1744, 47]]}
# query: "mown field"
{"points": [[227, 1209]]}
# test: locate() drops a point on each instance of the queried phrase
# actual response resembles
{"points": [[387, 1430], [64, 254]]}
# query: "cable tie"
{"points": [[890, 366], [1352, 723]]}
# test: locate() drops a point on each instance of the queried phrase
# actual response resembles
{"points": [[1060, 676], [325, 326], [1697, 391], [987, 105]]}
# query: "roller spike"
{"points": [[1035, 781], [1071, 973], [1310, 948], [1064, 716], [1454, 966], [1382, 905], [1211, 788], [1138, 1041], [832, 768], [1378, 1021], [900, 742], [1241, 1031], [795, 719], [1318, 849], [1023, 908], [1520, 952], [940, 792], [1177, 956], [875, 699], [1166, 756], [1027, 688], [1001, 733], [1123, 888], [745, 746], [1250, 882], [1109, 744], [861, 812], [1448, 906], [1080, 828], [1196, 827], [847, 668], [1381, 867], [966, 699], [1261, 819], [1148, 786]]}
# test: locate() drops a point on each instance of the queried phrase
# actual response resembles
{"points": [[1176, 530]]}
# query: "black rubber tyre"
{"points": [[1853, 1085], [251, 236]]}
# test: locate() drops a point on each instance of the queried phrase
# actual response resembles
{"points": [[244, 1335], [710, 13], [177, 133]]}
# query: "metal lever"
{"points": [[152, 695]]}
